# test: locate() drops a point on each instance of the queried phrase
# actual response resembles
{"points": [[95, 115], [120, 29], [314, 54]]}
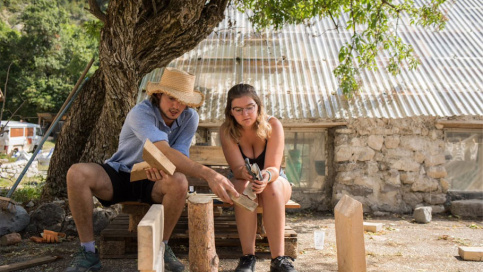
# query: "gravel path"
{"points": [[402, 246]]}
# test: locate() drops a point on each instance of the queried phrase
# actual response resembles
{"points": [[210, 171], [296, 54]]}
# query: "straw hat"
{"points": [[178, 84]]}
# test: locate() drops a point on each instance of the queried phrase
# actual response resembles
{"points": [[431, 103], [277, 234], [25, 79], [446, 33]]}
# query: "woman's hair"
{"points": [[231, 128]]}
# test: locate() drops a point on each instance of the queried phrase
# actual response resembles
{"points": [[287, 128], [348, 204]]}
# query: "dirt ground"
{"points": [[402, 246]]}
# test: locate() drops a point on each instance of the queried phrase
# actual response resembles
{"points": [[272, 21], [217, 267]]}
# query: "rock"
{"points": [[48, 216], [434, 199], [375, 142], [422, 214], [10, 239], [438, 209], [392, 141], [13, 220], [437, 171], [101, 218], [343, 153], [467, 208]]}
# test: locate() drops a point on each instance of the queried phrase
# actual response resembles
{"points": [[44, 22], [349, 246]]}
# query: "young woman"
{"points": [[248, 132]]}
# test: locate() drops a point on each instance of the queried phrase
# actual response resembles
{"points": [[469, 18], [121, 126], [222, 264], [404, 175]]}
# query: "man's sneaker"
{"points": [[282, 264], [85, 261], [246, 264], [171, 263]]}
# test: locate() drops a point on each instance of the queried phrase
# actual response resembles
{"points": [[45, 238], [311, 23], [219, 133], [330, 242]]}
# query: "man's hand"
{"points": [[222, 187], [241, 172], [154, 174]]}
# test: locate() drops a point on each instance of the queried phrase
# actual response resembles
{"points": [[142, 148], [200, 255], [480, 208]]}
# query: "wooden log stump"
{"points": [[202, 250], [349, 234]]}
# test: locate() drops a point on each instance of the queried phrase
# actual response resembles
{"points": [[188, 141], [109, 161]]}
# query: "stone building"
{"points": [[401, 142]]}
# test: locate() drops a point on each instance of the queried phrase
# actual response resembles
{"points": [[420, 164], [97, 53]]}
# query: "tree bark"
{"points": [[202, 250], [135, 40]]}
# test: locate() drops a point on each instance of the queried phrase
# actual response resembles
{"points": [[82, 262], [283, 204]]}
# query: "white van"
{"points": [[20, 136]]}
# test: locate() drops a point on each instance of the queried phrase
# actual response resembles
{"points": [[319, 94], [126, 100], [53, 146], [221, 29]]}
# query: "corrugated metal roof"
{"points": [[292, 70]]}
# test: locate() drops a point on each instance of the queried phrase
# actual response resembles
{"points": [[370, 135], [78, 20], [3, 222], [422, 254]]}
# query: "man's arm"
{"points": [[218, 183]]}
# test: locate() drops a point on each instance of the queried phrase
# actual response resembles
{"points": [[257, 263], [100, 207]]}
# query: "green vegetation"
{"points": [[45, 57], [29, 189]]}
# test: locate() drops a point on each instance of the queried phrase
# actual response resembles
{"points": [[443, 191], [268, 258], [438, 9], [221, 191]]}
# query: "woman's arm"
{"points": [[274, 153], [233, 157]]}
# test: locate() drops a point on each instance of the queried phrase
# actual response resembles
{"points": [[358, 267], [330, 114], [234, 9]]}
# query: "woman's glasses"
{"points": [[239, 111]]}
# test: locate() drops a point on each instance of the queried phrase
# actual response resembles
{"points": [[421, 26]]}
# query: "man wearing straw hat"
{"points": [[168, 120]]}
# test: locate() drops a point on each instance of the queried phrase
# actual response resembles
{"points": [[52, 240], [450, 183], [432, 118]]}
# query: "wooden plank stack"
{"points": [[118, 242]]}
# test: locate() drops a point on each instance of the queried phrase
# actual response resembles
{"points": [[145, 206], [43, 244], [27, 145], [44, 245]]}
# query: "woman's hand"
{"points": [[155, 175], [259, 185]]}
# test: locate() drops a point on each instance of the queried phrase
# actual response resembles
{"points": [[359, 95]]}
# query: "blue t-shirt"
{"points": [[143, 122]]}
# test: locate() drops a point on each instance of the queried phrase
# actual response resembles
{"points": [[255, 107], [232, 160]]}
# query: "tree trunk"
{"points": [[137, 37]]}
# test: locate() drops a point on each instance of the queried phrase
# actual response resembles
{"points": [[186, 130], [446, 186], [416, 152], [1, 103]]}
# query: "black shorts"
{"points": [[125, 190]]}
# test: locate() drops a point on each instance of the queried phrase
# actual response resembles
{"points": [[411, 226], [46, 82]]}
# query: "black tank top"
{"points": [[260, 160]]}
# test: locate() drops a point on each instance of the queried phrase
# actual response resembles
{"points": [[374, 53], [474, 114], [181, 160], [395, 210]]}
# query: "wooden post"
{"points": [[349, 234], [202, 251], [150, 240]]}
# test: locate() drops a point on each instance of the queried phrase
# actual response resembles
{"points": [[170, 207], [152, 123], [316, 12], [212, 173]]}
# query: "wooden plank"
{"points": [[349, 232], [150, 237], [372, 227], [156, 158], [29, 263], [208, 155], [471, 253], [138, 171], [473, 124], [212, 155]]}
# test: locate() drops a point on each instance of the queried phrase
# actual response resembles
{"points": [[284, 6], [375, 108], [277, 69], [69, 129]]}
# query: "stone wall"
{"points": [[12, 170], [390, 165]]}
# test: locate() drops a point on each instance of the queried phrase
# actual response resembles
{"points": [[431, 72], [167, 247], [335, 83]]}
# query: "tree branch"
{"points": [[5, 90], [95, 10]]}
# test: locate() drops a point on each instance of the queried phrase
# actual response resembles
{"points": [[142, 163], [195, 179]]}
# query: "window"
{"points": [[16, 132], [464, 159], [305, 158]]}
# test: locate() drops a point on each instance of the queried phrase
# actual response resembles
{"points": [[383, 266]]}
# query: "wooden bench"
{"points": [[119, 238]]}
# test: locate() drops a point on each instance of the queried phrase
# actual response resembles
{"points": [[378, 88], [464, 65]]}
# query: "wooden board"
{"points": [[156, 159], [211, 155], [29, 263], [150, 237]]}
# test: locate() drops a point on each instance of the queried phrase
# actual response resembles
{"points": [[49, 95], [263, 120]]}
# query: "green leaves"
{"points": [[373, 24], [48, 57]]}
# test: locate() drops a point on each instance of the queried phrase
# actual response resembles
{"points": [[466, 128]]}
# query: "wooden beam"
{"points": [[156, 158], [150, 239], [208, 155], [138, 171], [349, 234], [473, 124], [285, 124], [471, 253], [29, 263]]}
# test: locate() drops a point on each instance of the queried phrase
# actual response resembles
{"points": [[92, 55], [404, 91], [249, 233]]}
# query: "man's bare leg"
{"points": [[171, 192], [83, 181]]}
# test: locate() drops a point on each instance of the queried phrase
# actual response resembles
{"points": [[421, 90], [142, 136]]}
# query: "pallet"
{"points": [[118, 242]]}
